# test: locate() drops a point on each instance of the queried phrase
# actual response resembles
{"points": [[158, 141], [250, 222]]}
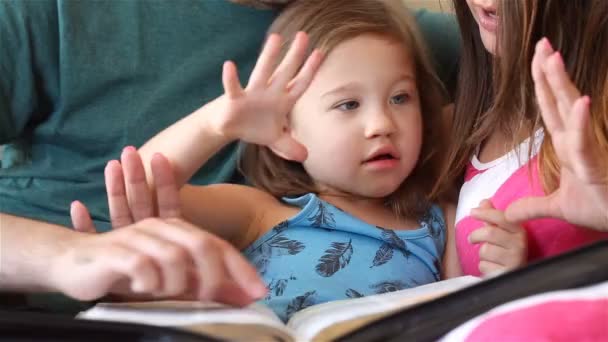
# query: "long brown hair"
{"points": [[497, 93], [329, 23]]}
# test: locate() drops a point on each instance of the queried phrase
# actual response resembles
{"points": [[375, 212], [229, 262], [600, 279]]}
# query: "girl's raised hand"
{"points": [[258, 114], [582, 196]]}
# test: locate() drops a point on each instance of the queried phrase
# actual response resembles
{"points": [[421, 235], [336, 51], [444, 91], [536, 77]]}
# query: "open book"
{"points": [[256, 322]]}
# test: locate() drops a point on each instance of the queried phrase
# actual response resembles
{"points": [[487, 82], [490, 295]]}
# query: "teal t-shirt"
{"points": [[80, 80]]}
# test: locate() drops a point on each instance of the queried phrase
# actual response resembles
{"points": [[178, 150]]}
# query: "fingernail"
{"points": [[587, 100], [137, 287], [557, 57], [129, 149], [259, 290]]}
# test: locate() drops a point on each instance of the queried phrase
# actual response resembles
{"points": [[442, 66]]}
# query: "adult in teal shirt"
{"points": [[79, 80]]}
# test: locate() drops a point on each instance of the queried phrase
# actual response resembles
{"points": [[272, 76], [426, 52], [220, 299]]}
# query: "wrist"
{"points": [[59, 261], [214, 121]]}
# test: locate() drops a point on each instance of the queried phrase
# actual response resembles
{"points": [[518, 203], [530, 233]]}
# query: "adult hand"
{"points": [[582, 195], [156, 258], [130, 198], [152, 253]]}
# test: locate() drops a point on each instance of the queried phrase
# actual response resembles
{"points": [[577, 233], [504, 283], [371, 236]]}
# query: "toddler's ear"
{"points": [[287, 147]]}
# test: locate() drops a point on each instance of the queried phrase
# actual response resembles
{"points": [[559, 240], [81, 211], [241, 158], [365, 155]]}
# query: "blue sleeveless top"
{"points": [[324, 254]]}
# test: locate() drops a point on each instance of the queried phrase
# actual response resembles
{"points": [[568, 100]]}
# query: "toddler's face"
{"points": [[484, 12], [360, 118]]}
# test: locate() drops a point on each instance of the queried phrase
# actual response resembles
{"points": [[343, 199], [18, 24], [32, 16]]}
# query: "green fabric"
{"points": [[440, 31], [79, 80]]}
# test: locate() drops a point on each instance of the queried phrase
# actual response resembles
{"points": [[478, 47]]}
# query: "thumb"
{"points": [[486, 204], [531, 208], [288, 148], [81, 219]]}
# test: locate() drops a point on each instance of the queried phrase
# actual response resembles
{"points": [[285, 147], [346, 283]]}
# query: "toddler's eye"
{"points": [[400, 99], [349, 105]]}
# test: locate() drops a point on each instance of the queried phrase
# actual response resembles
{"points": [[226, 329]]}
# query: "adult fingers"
{"points": [[244, 274], [81, 219], [138, 190], [230, 80], [118, 204], [167, 191], [207, 251]]}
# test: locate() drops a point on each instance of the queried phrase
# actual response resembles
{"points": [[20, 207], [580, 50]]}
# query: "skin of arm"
{"points": [[451, 265], [24, 258]]}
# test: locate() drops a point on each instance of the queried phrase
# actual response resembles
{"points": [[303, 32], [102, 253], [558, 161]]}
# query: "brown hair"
{"points": [[264, 4], [329, 23], [498, 92]]}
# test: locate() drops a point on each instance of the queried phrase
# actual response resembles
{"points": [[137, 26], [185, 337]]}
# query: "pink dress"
{"points": [[503, 181]]}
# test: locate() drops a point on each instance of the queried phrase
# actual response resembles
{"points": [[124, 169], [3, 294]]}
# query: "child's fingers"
{"points": [[559, 82], [120, 214], [167, 192], [491, 234], [305, 76], [489, 268], [291, 63], [544, 95], [81, 218], [230, 80], [266, 62], [494, 254], [138, 190]]}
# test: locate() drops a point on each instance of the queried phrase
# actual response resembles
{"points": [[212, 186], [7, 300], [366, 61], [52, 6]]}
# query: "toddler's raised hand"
{"points": [[504, 244], [258, 114], [582, 196]]}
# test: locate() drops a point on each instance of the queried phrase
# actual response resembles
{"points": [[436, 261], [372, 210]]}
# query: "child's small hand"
{"points": [[258, 114], [582, 195], [504, 244]]}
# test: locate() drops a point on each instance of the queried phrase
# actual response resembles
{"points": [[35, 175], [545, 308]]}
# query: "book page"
{"points": [[253, 322], [334, 319]]}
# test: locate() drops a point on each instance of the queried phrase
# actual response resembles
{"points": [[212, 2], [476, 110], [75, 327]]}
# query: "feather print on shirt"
{"points": [[323, 218], [335, 258], [277, 242]]}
